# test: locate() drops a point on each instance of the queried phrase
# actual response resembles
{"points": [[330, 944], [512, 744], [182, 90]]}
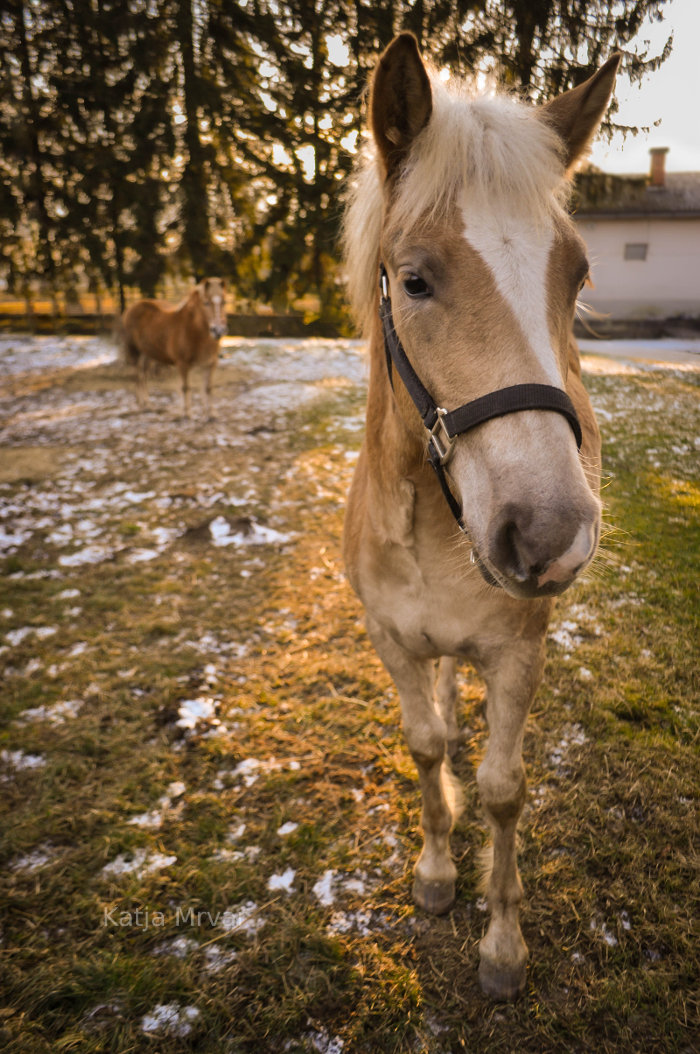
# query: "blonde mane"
{"points": [[492, 148]]}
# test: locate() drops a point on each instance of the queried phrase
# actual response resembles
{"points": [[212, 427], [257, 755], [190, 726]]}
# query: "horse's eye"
{"points": [[415, 286]]}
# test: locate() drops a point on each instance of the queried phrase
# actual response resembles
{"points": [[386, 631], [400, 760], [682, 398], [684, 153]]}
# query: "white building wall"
{"points": [[664, 285]]}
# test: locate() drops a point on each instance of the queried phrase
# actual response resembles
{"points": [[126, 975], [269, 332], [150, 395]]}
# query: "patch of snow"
{"points": [[141, 556], [598, 926], [162, 536], [323, 889], [287, 828], [179, 947], [170, 1019], [215, 959], [91, 554], [211, 674], [251, 768], [253, 533], [153, 819], [283, 882], [149, 820], [354, 885], [574, 735], [140, 863], [322, 1043], [565, 635], [195, 711], [242, 919], [134, 497], [234, 856], [55, 715], [347, 922], [17, 759], [17, 636], [38, 858], [11, 540]]}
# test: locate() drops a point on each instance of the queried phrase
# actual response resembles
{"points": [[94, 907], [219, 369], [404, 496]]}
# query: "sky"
{"points": [[669, 95]]}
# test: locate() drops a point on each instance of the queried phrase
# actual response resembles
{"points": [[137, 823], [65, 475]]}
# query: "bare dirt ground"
{"points": [[211, 816]]}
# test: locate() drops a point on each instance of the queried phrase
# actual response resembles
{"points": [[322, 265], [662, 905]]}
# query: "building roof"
{"points": [[600, 194]]}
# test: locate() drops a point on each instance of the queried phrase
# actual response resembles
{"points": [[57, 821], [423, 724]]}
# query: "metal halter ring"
{"points": [[441, 440]]}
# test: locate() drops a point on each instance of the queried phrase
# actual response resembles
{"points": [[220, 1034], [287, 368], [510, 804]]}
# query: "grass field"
{"points": [[210, 817]]}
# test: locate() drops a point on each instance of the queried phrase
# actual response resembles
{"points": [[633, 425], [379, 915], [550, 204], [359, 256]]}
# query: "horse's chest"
{"points": [[429, 610]]}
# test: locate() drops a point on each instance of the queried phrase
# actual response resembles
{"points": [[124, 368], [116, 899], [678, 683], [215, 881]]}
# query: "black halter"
{"points": [[444, 426]]}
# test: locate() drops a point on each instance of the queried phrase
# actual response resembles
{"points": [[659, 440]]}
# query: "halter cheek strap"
{"points": [[444, 426]]}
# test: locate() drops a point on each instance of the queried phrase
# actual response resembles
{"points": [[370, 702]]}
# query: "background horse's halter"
{"points": [[444, 426]]}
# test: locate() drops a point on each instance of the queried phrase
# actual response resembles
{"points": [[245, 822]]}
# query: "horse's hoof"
{"points": [[435, 897], [503, 983], [452, 747]]}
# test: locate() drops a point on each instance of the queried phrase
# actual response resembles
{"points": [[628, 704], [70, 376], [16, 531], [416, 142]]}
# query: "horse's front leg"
{"points": [[447, 695], [511, 685], [426, 735], [142, 382], [206, 391], [184, 377]]}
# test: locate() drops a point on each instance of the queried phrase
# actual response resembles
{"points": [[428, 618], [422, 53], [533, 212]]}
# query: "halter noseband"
{"points": [[443, 426]]}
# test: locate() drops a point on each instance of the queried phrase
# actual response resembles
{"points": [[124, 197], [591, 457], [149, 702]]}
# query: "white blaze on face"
{"points": [[216, 306], [517, 254]]}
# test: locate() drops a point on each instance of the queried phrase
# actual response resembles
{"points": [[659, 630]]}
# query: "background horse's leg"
{"points": [[142, 381], [206, 391], [447, 696], [502, 788], [426, 735], [184, 377]]}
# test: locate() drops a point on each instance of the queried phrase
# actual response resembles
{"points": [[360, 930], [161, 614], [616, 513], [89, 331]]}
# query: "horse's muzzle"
{"points": [[530, 568], [217, 331]]}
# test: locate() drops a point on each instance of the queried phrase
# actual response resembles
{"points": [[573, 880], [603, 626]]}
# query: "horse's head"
{"points": [[484, 269], [212, 293]]}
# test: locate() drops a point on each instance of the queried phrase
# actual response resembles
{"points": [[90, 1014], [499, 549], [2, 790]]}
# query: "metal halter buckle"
{"points": [[441, 440]]}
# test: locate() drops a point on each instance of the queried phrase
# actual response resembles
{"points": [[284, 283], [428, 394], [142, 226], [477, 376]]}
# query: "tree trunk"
{"points": [[36, 188], [194, 182]]}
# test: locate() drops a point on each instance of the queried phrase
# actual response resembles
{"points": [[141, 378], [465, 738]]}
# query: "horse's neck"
{"points": [[191, 313], [395, 448]]}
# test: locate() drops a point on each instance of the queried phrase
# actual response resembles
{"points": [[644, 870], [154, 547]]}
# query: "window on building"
{"points": [[636, 250]]}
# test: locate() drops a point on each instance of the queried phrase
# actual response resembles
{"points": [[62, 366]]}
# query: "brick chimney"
{"points": [[657, 171]]}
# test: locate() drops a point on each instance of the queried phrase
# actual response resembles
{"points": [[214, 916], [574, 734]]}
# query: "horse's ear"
{"points": [[576, 114], [401, 100], [205, 283]]}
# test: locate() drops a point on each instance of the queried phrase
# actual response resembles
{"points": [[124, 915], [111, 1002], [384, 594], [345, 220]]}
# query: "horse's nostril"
{"points": [[511, 553]]}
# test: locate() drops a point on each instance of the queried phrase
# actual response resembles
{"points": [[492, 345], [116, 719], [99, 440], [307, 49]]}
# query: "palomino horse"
{"points": [[456, 231], [183, 336]]}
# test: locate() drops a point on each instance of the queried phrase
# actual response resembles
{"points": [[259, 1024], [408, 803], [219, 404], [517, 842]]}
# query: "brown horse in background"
{"points": [[184, 336]]}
